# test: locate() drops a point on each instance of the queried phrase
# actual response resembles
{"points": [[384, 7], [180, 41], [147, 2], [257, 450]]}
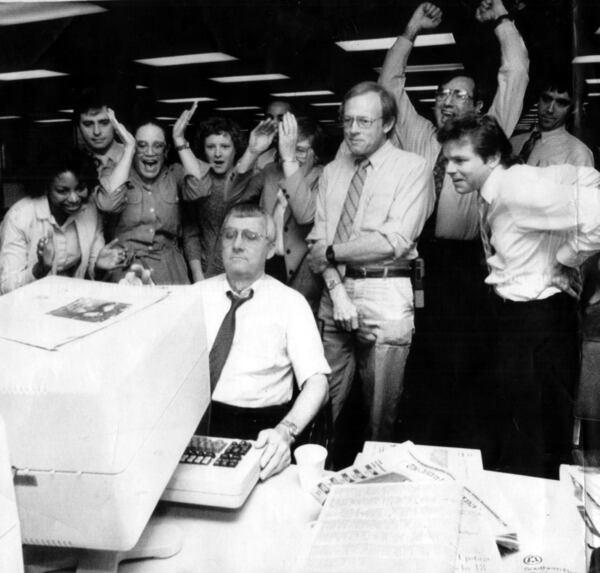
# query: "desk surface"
{"points": [[261, 537], [265, 535]]}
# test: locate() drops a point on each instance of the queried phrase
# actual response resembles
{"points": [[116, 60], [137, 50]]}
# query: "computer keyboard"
{"points": [[215, 471]]}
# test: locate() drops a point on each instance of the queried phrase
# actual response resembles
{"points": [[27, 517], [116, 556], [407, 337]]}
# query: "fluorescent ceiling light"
{"points": [[593, 81], [327, 104], [141, 87], [434, 40], [301, 94], [419, 88], [367, 45], [594, 94], [238, 108], [165, 118], [428, 100], [29, 75], [250, 78], [591, 59], [58, 120], [66, 110], [386, 43], [598, 31], [2, 117], [328, 121], [12, 13], [186, 99], [187, 59], [435, 67]]}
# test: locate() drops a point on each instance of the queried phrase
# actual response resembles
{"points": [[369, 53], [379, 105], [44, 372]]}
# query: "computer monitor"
{"points": [[101, 388]]}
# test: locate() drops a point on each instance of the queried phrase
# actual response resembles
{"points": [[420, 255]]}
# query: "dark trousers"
{"points": [[536, 371], [448, 371], [244, 423]]}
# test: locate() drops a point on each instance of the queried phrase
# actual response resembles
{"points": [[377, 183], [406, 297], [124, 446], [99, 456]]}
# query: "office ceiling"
{"points": [[295, 38]]}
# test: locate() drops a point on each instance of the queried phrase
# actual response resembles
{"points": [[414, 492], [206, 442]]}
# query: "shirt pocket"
{"points": [[133, 196]]}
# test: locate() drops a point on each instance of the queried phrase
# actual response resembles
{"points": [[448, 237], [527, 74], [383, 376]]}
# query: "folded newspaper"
{"points": [[406, 462]]}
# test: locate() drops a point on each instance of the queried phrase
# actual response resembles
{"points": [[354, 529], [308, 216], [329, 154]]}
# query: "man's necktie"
{"points": [[224, 339], [344, 227], [529, 145], [485, 230], [439, 172]]}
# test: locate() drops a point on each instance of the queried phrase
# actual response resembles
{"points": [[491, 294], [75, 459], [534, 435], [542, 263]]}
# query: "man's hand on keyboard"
{"points": [[276, 455]]}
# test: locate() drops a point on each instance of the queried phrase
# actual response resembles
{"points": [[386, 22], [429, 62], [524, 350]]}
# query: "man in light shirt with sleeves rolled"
{"points": [[371, 207], [538, 224]]}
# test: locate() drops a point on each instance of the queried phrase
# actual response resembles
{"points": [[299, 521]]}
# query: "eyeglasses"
{"points": [[231, 234], [278, 117], [458, 95], [302, 151], [156, 147], [362, 122]]}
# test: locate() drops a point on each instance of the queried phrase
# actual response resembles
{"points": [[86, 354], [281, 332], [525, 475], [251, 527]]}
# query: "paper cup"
{"points": [[310, 459]]}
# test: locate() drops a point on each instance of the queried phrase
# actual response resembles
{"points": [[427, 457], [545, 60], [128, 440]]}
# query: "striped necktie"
{"points": [[343, 231], [439, 173], [485, 230], [529, 145]]}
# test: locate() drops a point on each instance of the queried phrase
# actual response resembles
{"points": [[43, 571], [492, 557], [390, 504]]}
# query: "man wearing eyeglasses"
{"points": [[452, 330], [549, 143], [274, 345], [371, 207]]}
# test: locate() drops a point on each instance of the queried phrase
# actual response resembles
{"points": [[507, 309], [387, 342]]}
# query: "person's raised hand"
{"points": [[181, 125], [262, 136], [123, 134], [288, 137], [489, 10]]}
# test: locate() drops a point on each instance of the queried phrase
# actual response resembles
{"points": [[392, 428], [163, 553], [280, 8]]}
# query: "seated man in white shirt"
{"points": [[271, 344], [550, 143], [538, 225]]}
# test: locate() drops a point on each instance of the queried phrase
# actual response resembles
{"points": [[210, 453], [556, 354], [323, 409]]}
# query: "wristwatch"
{"points": [[291, 428], [330, 255], [185, 145]]}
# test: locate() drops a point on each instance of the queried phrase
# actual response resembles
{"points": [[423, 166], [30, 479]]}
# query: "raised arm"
{"points": [[260, 140], [513, 75], [412, 131], [186, 155]]}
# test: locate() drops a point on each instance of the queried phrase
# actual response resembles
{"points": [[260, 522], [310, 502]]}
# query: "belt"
{"points": [[378, 272]]}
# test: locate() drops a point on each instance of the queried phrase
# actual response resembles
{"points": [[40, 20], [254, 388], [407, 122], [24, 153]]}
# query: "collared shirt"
{"points": [[396, 200], [457, 215], [555, 147], [26, 223], [146, 209], [111, 157], [276, 339], [539, 216]]}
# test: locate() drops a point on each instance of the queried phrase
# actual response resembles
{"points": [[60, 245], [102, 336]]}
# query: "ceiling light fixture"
{"points": [[303, 94], [327, 104], [29, 75], [13, 13], [238, 108], [420, 88], [57, 120], [187, 99], [386, 43], [187, 59], [249, 78], [3, 117], [591, 59]]}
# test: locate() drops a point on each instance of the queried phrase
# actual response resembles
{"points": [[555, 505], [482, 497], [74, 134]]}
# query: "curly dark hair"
{"points": [[218, 126], [77, 161]]}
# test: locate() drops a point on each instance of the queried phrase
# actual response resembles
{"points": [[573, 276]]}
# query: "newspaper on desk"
{"points": [[56, 310], [481, 526]]}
